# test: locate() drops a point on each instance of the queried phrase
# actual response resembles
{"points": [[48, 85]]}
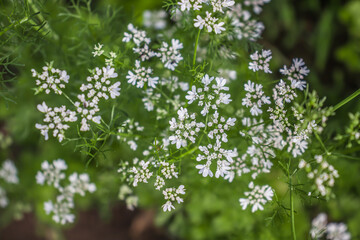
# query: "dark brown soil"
{"points": [[123, 225]]}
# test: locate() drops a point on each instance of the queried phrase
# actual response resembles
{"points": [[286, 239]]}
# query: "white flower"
{"points": [[260, 61], [254, 98], [131, 202], [98, 50], [51, 79], [318, 226], [210, 23], [155, 19], [55, 120], [168, 206], [185, 129], [296, 73], [209, 96], [141, 76], [145, 52], [170, 55], [256, 4], [80, 184], [172, 195], [114, 90], [218, 5], [52, 174], [141, 172], [243, 26], [8, 172], [337, 231], [204, 169], [99, 86], [186, 5], [136, 35], [259, 196]]}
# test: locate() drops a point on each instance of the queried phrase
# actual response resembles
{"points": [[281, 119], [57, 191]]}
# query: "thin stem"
{"points": [[321, 143], [196, 46], [67, 97], [292, 208], [346, 100]]}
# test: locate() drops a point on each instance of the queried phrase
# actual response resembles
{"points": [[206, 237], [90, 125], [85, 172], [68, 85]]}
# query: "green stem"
{"points": [[321, 143], [346, 100], [196, 46], [67, 97], [292, 208]]}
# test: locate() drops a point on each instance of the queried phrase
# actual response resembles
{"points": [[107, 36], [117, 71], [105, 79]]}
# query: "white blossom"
{"points": [[187, 5], [254, 98], [218, 5], [170, 55], [98, 50], [260, 61], [243, 26], [155, 19], [210, 23], [53, 174], [51, 79], [258, 197], [8, 172], [256, 4], [186, 128], [141, 76], [172, 195], [296, 73], [210, 95], [137, 36], [55, 119]]}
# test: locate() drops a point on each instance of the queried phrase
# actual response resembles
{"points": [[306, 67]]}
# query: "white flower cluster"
{"points": [[185, 129], [260, 61], [324, 174], [98, 51], [140, 172], [99, 86], [172, 195], [144, 170], [244, 27], [127, 130], [254, 98], [155, 19], [8, 173], [209, 96], [141, 76], [187, 5], [126, 193], [333, 231], [256, 4], [135, 35], [53, 174], [296, 73], [51, 79], [56, 119], [170, 55], [258, 196], [210, 23]]}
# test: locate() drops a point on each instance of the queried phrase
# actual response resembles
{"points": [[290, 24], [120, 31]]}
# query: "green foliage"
{"points": [[34, 32]]}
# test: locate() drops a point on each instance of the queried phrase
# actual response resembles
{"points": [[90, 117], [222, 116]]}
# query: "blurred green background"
{"points": [[326, 34]]}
